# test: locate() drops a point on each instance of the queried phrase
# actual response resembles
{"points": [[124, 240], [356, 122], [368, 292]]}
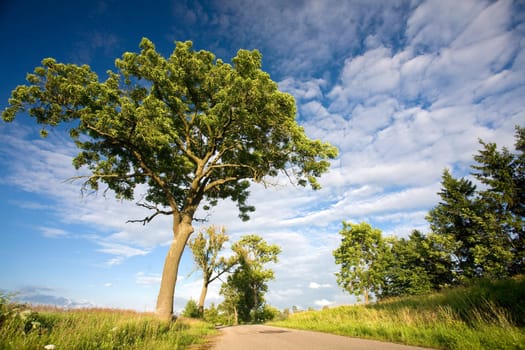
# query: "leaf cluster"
{"points": [[206, 247]]}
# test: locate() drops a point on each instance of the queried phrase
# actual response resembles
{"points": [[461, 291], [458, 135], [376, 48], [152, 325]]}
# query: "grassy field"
{"points": [[46, 328], [484, 316]]}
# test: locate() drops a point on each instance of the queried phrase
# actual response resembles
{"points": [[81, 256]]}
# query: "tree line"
{"points": [[477, 231]]}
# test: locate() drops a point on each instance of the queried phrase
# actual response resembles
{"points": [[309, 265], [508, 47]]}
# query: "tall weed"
{"points": [[23, 328], [485, 315]]}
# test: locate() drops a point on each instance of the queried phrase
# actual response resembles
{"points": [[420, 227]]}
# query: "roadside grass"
{"points": [[23, 328], [487, 315]]}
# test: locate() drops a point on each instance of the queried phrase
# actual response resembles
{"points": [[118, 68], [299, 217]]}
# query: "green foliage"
{"points": [[475, 317], [269, 313], [245, 288], [418, 265], [95, 329], [487, 225], [191, 309], [206, 247], [475, 234], [212, 315], [189, 126], [362, 255], [503, 174]]}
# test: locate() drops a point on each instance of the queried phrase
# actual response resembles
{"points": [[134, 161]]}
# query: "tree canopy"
{"points": [[362, 255], [190, 127]]}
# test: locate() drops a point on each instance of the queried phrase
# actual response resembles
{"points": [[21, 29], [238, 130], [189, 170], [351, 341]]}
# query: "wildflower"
{"points": [[49, 347]]}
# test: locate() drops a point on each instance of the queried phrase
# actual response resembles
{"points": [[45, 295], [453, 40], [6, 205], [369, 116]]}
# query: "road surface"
{"points": [[258, 337]]}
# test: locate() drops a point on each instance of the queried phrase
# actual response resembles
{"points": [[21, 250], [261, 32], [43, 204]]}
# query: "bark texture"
{"points": [[182, 232]]}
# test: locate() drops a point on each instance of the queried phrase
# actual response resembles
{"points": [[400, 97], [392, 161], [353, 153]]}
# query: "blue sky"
{"points": [[404, 89]]}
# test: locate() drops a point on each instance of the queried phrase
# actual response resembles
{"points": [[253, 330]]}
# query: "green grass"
{"points": [[483, 316], [98, 329]]}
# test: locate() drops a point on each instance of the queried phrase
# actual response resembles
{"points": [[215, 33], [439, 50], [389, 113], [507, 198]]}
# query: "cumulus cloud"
{"points": [[315, 285]]}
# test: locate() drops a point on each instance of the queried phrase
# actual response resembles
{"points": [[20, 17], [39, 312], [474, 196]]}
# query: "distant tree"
{"points": [[212, 315], [189, 127], [418, 265], [269, 313], [503, 175], [362, 254], [451, 218], [487, 226], [285, 314], [206, 248], [230, 304], [245, 288], [191, 309]]}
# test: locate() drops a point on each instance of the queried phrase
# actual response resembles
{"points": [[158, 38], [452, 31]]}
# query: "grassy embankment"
{"points": [[484, 316], [86, 329]]}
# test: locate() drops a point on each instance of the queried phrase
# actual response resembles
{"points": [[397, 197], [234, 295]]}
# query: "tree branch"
{"points": [[147, 219], [219, 182]]}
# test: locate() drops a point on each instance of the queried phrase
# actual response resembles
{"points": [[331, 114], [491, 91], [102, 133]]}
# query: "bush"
{"points": [[191, 310]]}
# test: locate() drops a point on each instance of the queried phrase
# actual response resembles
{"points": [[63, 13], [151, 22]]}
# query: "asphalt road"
{"points": [[257, 337]]}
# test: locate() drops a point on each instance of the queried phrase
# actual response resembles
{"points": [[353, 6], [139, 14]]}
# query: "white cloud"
{"points": [[315, 285], [435, 24], [120, 249], [52, 232], [323, 302], [303, 90], [144, 279]]}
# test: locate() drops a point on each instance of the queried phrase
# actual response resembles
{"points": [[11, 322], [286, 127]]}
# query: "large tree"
{"points": [[191, 127], [206, 248]]}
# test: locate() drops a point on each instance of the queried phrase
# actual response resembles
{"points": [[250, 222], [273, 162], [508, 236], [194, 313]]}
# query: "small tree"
{"points": [[191, 128], [206, 247], [230, 305], [191, 309], [245, 288], [362, 256], [212, 316]]}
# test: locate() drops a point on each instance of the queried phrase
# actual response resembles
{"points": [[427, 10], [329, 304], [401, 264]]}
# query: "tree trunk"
{"points": [[181, 232], [202, 298], [366, 296]]}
